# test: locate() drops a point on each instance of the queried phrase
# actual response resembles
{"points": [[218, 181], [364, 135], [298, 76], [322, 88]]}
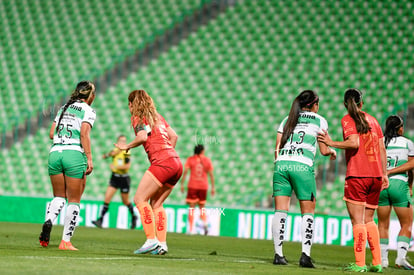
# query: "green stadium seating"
{"points": [[230, 84]]}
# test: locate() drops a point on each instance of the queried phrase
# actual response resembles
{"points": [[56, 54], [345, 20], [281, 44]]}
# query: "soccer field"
{"points": [[109, 251]]}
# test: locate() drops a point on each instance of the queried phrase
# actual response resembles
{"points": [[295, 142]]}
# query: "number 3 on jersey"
{"points": [[300, 135]]}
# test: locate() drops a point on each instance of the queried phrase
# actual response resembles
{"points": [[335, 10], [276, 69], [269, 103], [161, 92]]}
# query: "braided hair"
{"points": [[83, 90], [392, 125]]}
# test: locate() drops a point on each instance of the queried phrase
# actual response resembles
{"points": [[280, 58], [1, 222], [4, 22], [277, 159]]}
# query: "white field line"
{"points": [[139, 258]]}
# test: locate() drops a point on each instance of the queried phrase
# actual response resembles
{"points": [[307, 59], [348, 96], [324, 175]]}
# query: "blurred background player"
{"points": [[366, 176], [119, 180], [199, 166], [294, 156], [159, 140], [400, 151], [70, 160]]}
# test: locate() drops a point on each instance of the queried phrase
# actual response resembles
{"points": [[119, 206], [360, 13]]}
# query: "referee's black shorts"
{"points": [[121, 182]]}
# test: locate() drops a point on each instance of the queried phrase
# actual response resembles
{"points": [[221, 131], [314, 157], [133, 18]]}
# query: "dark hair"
{"points": [[353, 100], [392, 125], [83, 90], [198, 149], [305, 99]]}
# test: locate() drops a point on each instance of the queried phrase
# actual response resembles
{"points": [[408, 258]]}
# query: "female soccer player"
{"points": [[70, 160], [294, 156], [159, 140], [200, 166], [366, 176], [400, 150], [119, 180]]}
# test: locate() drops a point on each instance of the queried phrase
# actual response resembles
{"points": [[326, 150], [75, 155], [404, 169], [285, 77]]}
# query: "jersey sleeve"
{"points": [[280, 129], [89, 116], [379, 130], [324, 125], [348, 126], [187, 163], [58, 115], [139, 126], [410, 146], [164, 121]]}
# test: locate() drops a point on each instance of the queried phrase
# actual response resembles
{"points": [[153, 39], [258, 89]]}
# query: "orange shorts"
{"points": [[364, 191], [167, 172], [196, 196]]}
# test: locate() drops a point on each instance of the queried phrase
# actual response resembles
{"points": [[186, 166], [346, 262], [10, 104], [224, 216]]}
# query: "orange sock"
{"points": [[147, 219], [374, 242], [360, 240], [190, 219], [203, 215], [161, 224]]}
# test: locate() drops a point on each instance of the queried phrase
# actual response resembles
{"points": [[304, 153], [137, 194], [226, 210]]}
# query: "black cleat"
{"points": [[280, 260], [45, 234], [98, 223], [133, 222], [306, 261]]}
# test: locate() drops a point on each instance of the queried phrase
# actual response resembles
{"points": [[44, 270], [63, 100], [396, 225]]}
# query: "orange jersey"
{"points": [[158, 145], [366, 160], [199, 166]]}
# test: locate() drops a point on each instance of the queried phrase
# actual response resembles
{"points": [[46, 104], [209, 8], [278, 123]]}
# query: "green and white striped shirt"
{"points": [[301, 145], [398, 151], [67, 133]]}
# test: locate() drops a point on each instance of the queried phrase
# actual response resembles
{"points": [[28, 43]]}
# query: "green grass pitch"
{"points": [[109, 251]]}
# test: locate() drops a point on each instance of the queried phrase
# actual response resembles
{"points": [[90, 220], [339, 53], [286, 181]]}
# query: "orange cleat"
{"points": [[66, 246]]}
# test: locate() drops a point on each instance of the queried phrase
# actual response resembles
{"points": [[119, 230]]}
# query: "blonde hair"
{"points": [[143, 107]]}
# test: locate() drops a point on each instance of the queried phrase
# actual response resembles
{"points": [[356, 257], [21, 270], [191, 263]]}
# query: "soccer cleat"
{"points": [[161, 250], [305, 261], [45, 234], [133, 222], [375, 268], [98, 223], [66, 246], [280, 260], [148, 246], [353, 267], [404, 264]]}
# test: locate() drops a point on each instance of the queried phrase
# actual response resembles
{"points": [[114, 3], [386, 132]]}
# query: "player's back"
{"points": [[199, 166]]}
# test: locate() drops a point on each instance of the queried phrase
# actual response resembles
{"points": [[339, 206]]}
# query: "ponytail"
{"points": [[305, 99], [352, 101], [392, 125], [83, 90]]}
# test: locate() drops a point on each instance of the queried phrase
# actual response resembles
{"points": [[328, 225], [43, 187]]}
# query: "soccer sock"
{"points": [[131, 209], [54, 208], [307, 233], [147, 219], [105, 209], [374, 242], [161, 224], [203, 215], [72, 213], [360, 240], [384, 249], [190, 219], [278, 230], [403, 243]]}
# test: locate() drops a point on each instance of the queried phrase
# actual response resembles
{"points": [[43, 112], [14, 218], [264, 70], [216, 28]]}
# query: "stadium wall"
{"points": [[239, 223]]}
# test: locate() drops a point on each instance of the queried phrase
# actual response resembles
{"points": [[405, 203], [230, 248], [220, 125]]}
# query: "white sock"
{"points": [[384, 251], [54, 208], [72, 213], [307, 233], [278, 231], [402, 248]]}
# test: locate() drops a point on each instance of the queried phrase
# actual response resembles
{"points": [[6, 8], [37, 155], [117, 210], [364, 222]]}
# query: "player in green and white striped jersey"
{"points": [[70, 159], [294, 157], [400, 156]]}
